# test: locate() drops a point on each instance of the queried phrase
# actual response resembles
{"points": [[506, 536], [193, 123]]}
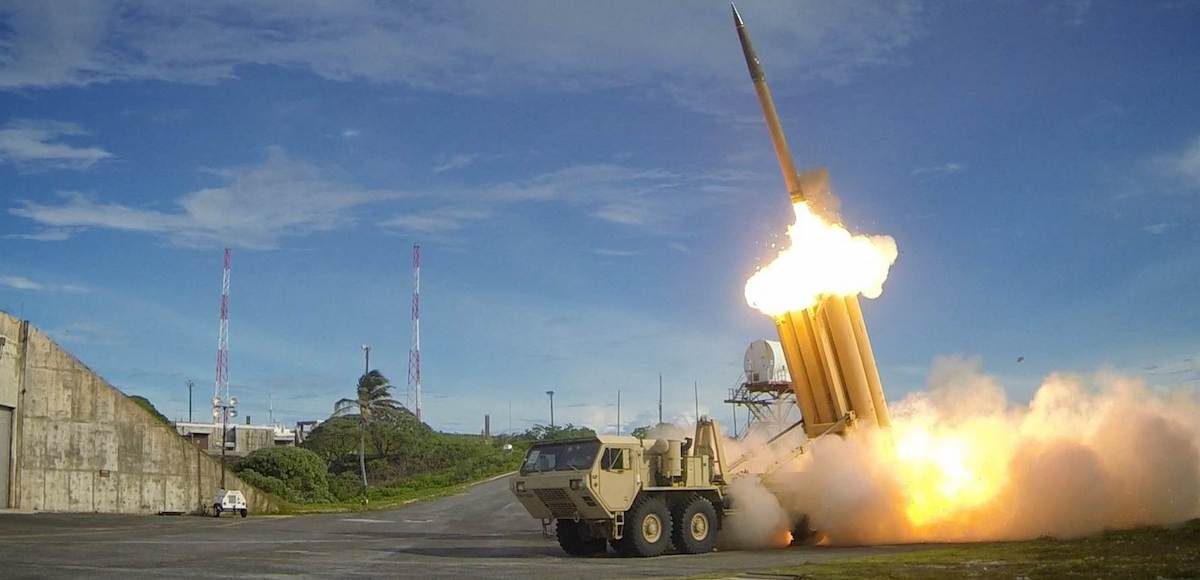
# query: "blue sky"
{"points": [[591, 185]]}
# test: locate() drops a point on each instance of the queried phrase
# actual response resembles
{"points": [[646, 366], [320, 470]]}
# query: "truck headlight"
{"points": [[520, 487], [576, 484]]}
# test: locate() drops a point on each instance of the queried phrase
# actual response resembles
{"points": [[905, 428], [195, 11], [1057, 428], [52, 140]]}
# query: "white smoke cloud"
{"points": [[963, 464]]}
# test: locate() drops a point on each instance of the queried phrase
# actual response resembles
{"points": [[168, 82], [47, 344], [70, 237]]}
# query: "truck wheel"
{"points": [[801, 532], [695, 526], [647, 528], [216, 510], [576, 540], [242, 512]]}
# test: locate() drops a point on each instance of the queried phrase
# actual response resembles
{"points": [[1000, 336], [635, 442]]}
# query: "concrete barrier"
{"points": [[77, 444]]}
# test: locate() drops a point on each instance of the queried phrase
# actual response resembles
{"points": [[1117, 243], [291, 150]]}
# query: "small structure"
{"points": [[304, 429], [240, 440], [765, 388]]}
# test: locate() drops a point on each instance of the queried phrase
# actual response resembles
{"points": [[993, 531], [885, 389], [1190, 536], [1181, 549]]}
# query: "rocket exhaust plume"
{"points": [[961, 463], [824, 259], [957, 462]]}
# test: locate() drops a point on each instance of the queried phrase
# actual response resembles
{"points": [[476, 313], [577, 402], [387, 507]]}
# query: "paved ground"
{"points": [[483, 533]]}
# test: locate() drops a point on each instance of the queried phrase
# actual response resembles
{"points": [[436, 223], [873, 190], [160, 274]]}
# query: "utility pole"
{"points": [[551, 393], [366, 358], [190, 384], [414, 351], [224, 408], [660, 398]]}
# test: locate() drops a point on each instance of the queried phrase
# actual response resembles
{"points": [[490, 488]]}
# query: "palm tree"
{"points": [[374, 399]]}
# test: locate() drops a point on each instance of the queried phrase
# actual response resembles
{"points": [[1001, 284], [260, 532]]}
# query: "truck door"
{"points": [[616, 480]]}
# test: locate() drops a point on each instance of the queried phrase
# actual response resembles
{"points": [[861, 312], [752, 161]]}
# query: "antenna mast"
{"points": [[414, 354], [221, 386]]}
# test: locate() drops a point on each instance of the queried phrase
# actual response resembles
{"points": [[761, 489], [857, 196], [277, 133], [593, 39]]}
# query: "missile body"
{"points": [[800, 187], [826, 346]]}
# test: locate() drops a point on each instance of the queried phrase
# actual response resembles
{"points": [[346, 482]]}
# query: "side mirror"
{"points": [[625, 458]]}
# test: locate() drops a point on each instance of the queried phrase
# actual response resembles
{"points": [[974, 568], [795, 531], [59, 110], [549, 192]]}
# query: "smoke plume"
{"points": [[963, 464]]}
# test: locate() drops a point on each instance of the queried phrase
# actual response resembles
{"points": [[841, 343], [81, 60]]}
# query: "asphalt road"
{"points": [[483, 533]]}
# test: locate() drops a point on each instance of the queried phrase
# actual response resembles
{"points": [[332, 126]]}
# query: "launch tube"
{"points": [[854, 376], [882, 415], [826, 346]]}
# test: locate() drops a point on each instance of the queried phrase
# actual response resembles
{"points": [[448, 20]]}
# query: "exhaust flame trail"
{"points": [[961, 463], [823, 259]]}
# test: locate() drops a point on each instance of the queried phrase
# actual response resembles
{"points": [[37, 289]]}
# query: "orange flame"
{"points": [[823, 259], [948, 471]]}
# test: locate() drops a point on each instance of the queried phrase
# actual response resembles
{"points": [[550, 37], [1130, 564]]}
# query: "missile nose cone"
{"points": [[737, 18]]}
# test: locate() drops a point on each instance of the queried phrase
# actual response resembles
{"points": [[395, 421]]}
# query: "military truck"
{"points": [[642, 496]]}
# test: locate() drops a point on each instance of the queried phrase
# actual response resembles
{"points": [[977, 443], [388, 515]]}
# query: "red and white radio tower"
{"points": [[221, 389], [414, 353]]}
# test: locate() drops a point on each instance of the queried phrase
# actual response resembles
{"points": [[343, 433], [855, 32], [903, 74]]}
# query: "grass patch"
{"points": [[1158, 552], [431, 486]]}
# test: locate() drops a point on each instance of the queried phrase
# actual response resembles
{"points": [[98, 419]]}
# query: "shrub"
{"points": [[272, 485], [344, 486], [295, 474], [145, 403]]}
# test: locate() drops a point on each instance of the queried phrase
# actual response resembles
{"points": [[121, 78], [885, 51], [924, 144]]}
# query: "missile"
{"points": [[826, 346], [812, 184]]}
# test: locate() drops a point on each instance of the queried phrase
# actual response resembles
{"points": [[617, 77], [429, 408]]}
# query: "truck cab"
{"points": [[642, 496]]}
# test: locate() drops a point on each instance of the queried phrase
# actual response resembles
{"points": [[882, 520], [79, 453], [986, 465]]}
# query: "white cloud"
{"points": [[1158, 229], [614, 253], [457, 161], [39, 144], [435, 221], [257, 207], [652, 200], [23, 283], [45, 235], [87, 333], [949, 168], [1182, 165], [1070, 12], [350, 133], [461, 46]]}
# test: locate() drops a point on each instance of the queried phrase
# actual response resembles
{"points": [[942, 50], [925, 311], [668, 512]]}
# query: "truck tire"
{"points": [[695, 525], [647, 528], [802, 533], [576, 540], [216, 510]]}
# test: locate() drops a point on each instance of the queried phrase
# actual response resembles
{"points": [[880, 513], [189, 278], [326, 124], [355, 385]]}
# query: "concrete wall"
{"points": [[80, 445]]}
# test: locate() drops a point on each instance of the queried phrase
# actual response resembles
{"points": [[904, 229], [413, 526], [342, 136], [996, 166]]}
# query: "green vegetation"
{"points": [[294, 474], [1162, 552], [372, 400], [404, 459], [145, 403], [555, 433], [373, 453]]}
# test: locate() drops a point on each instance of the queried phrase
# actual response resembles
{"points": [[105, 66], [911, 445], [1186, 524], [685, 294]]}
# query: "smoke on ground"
{"points": [[962, 464]]}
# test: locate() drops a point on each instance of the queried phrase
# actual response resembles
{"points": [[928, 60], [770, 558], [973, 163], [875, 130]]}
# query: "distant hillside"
{"points": [[405, 459], [145, 403]]}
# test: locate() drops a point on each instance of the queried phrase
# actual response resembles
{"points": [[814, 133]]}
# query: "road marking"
{"points": [[366, 521], [416, 521]]}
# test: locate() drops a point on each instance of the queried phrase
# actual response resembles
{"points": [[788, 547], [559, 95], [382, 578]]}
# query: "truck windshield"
{"points": [[560, 457]]}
